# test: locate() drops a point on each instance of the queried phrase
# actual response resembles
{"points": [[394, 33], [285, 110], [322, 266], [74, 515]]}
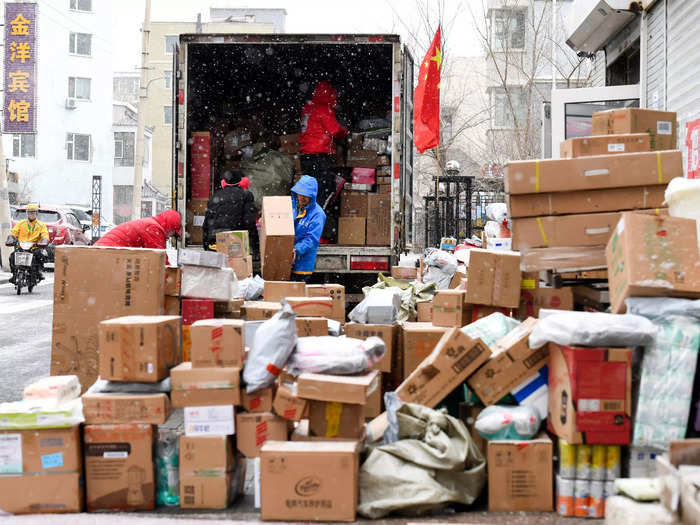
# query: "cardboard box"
{"points": [[194, 220], [455, 357], [386, 333], [312, 306], [221, 308], [418, 342], [186, 343], [589, 229], [242, 266], [512, 362], [119, 467], [353, 204], [661, 126], [521, 475], [260, 310], [589, 201], [309, 481], [652, 256], [206, 465], [217, 342], [260, 401], [287, 405], [277, 290], [604, 145], [129, 282], [531, 301], [384, 189], [311, 326], [590, 394], [171, 305], [425, 311], [194, 310], [362, 159], [479, 311], [563, 258], [277, 238], [450, 308], [42, 471], [196, 257], [494, 278], [211, 420], [409, 273], [289, 143], [112, 409], [253, 430], [593, 173], [374, 404], [233, 243], [333, 420], [343, 389], [335, 292], [379, 223], [173, 278], [139, 348], [351, 231], [196, 387]]}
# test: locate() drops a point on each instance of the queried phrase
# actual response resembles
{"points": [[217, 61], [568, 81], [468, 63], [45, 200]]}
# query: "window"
{"points": [[78, 147], [168, 115], [79, 88], [118, 149], [170, 42], [80, 44], [124, 148], [508, 29], [42, 215], [506, 116], [168, 75], [23, 145], [73, 220], [81, 5]]}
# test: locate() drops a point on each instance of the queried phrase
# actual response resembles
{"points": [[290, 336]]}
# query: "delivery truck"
{"points": [[245, 92]]}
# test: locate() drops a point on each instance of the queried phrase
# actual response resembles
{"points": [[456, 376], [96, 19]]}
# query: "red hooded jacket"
{"points": [[318, 124], [151, 232]]}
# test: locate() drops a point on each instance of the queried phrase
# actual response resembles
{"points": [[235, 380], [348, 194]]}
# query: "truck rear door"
{"points": [[177, 185], [406, 176]]}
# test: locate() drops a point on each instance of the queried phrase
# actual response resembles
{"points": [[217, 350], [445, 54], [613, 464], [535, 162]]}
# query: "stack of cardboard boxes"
{"points": [[236, 246]]}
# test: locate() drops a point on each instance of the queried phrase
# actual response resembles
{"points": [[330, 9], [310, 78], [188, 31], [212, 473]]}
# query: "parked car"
{"points": [[84, 215], [64, 227]]}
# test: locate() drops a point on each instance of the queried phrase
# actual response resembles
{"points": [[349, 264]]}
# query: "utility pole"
{"points": [[141, 120]]}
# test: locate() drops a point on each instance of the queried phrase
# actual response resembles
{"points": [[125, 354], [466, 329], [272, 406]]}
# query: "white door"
{"points": [[572, 109]]}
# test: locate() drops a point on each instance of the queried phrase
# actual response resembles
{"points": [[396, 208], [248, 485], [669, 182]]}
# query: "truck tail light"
{"points": [[377, 264]]}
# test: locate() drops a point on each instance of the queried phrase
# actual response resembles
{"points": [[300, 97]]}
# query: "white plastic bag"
{"points": [[251, 288], [497, 211], [380, 306], [274, 342], [492, 229], [201, 282], [492, 328], [335, 355], [41, 413], [592, 329], [57, 388], [441, 267], [508, 422]]}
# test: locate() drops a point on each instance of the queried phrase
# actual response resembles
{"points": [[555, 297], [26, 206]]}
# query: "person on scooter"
{"points": [[30, 230]]}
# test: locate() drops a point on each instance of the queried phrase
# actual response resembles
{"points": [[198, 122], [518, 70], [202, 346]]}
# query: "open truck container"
{"points": [[269, 77]]}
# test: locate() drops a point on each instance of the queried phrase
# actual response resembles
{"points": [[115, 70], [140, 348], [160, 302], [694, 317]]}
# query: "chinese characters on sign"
{"points": [[19, 111]]}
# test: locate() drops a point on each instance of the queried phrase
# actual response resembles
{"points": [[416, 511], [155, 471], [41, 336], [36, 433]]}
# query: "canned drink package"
{"points": [[596, 504], [612, 462], [583, 461], [582, 496], [565, 496], [567, 460], [598, 463], [609, 489]]}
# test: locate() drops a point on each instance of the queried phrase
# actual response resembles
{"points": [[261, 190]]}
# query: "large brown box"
{"points": [[521, 475], [309, 481], [119, 467], [194, 219], [242, 266], [652, 256], [455, 357], [604, 145], [418, 341], [45, 473], [206, 465], [343, 389], [531, 301], [661, 126], [196, 387], [258, 401], [450, 309], [253, 430], [353, 204], [94, 284], [493, 278], [278, 290], [139, 347], [351, 231], [593, 173], [112, 409], [312, 306], [379, 219], [233, 244], [387, 333], [260, 310], [173, 280], [311, 326], [335, 292], [563, 258], [591, 201], [277, 238], [287, 405], [331, 419], [217, 342]]}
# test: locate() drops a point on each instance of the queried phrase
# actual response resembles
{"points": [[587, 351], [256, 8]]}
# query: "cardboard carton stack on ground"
{"points": [[236, 246]]}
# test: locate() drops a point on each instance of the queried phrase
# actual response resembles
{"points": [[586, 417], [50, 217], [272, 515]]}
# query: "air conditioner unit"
{"points": [[591, 24], [71, 103]]}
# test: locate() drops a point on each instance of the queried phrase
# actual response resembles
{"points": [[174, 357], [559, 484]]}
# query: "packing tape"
{"points": [[544, 235], [333, 412], [528, 284], [537, 176], [658, 167]]}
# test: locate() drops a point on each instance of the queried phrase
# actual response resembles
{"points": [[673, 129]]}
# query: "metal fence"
{"points": [[479, 201]]}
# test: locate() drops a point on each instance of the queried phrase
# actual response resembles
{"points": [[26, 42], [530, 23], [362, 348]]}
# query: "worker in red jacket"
{"points": [[151, 232], [319, 130]]}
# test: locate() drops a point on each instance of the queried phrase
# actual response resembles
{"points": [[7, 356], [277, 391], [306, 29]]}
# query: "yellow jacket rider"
{"points": [[30, 230]]}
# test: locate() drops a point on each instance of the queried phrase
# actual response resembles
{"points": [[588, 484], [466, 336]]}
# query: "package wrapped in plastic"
{"points": [[658, 307], [492, 328], [497, 211], [251, 288], [592, 329], [186, 256], [274, 342], [380, 306], [41, 413], [621, 510], [102, 386], [57, 388], [335, 355], [200, 282], [410, 293], [440, 268], [508, 422], [492, 229], [640, 489], [167, 459], [335, 328]]}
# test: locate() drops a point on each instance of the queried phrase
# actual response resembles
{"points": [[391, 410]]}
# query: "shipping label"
{"points": [[209, 421], [10, 453]]}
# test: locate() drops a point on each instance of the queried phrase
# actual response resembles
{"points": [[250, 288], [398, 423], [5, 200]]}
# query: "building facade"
{"points": [[125, 87]]}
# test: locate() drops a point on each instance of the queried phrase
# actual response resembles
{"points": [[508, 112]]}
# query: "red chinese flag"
{"points": [[426, 99]]}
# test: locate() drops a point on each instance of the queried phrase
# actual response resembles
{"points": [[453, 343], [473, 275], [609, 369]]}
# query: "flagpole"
{"points": [[437, 196]]}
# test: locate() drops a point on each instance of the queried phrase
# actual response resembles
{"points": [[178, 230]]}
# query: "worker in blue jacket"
{"points": [[309, 220]]}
